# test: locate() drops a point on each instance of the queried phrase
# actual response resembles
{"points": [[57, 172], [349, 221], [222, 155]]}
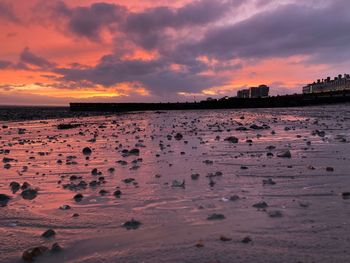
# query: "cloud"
{"points": [[90, 21], [30, 58], [7, 13], [287, 30]]}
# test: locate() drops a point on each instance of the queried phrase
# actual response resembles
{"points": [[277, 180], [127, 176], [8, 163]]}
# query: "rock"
{"points": [[66, 126], [29, 194], [48, 233], [268, 182], [95, 172], [78, 197], [134, 151], [285, 154], [246, 240], [346, 195], [31, 254], [178, 184], [132, 224], [128, 180], [195, 176], [103, 192], [199, 244], [178, 136], [330, 169], [216, 217], [275, 213], [234, 198], [4, 199], [14, 187], [117, 193], [87, 151], [56, 248], [225, 239], [65, 207], [261, 205], [232, 139], [25, 185]]}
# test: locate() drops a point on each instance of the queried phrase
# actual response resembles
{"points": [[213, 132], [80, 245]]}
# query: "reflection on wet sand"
{"points": [[261, 185]]}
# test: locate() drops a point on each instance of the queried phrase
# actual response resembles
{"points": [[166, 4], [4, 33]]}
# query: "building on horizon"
{"points": [[254, 92], [339, 83]]}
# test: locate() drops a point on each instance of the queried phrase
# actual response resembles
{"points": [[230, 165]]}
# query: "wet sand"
{"points": [[306, 218]]}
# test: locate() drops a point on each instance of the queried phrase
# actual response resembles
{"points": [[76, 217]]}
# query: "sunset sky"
{"points": [[56, 52]]}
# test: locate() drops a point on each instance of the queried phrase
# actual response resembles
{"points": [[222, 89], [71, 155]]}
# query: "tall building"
{"points": [[327, 85], [254, 92]]}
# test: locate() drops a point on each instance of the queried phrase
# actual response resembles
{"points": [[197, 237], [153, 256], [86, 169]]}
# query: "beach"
{"points": [[249, 185]]}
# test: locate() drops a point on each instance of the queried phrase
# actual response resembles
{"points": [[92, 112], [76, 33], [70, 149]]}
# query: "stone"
{"points": [[285, 154], [195, 176], [260, 205], [117, 193], [346, 195], [4, 199], [87, 151], [132, 224], [225, 239], [48, 233], [232, 139], [29, 194], [268, 181], [246, 240], [32, 253], [56, 248], [275, 213], [178, 136], [176, 183], [78, 197], [216, 217]]}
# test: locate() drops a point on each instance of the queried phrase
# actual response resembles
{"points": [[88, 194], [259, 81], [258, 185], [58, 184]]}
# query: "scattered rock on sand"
{"points": [[216, 217], [232, 139], [66, 126], [346, 195], [225, 239], [261, 205], [4, 199], [285, 154], [195, 176], [177, 183], [48, 233], [178, 136], [275, 213], [32, 253], [268, 181], [78, 197], [56, 248], [87, 151], [132, 224], [29, 194], [199, 244], [246, 240]]}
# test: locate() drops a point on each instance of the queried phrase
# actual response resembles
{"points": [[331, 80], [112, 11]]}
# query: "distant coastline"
{"points": [[296, 100]]}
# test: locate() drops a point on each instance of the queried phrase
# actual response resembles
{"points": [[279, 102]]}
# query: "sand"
{"points": [[306, 218]]}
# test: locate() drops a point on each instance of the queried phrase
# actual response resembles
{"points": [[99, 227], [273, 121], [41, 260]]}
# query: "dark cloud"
{"points": [[284, 31], [4, 64], [90, 21], [30, 58], [7, 13]]}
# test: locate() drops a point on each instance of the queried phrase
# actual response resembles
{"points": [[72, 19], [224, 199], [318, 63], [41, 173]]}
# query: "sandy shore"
{"points": [[284, 209]]}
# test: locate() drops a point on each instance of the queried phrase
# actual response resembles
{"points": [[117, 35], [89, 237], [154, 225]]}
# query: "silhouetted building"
{"points": [[254, 92], [327, 85], [244, 93]]}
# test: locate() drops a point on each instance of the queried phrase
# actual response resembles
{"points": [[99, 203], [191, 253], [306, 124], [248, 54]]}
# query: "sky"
{"points": [[60, 51]]}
